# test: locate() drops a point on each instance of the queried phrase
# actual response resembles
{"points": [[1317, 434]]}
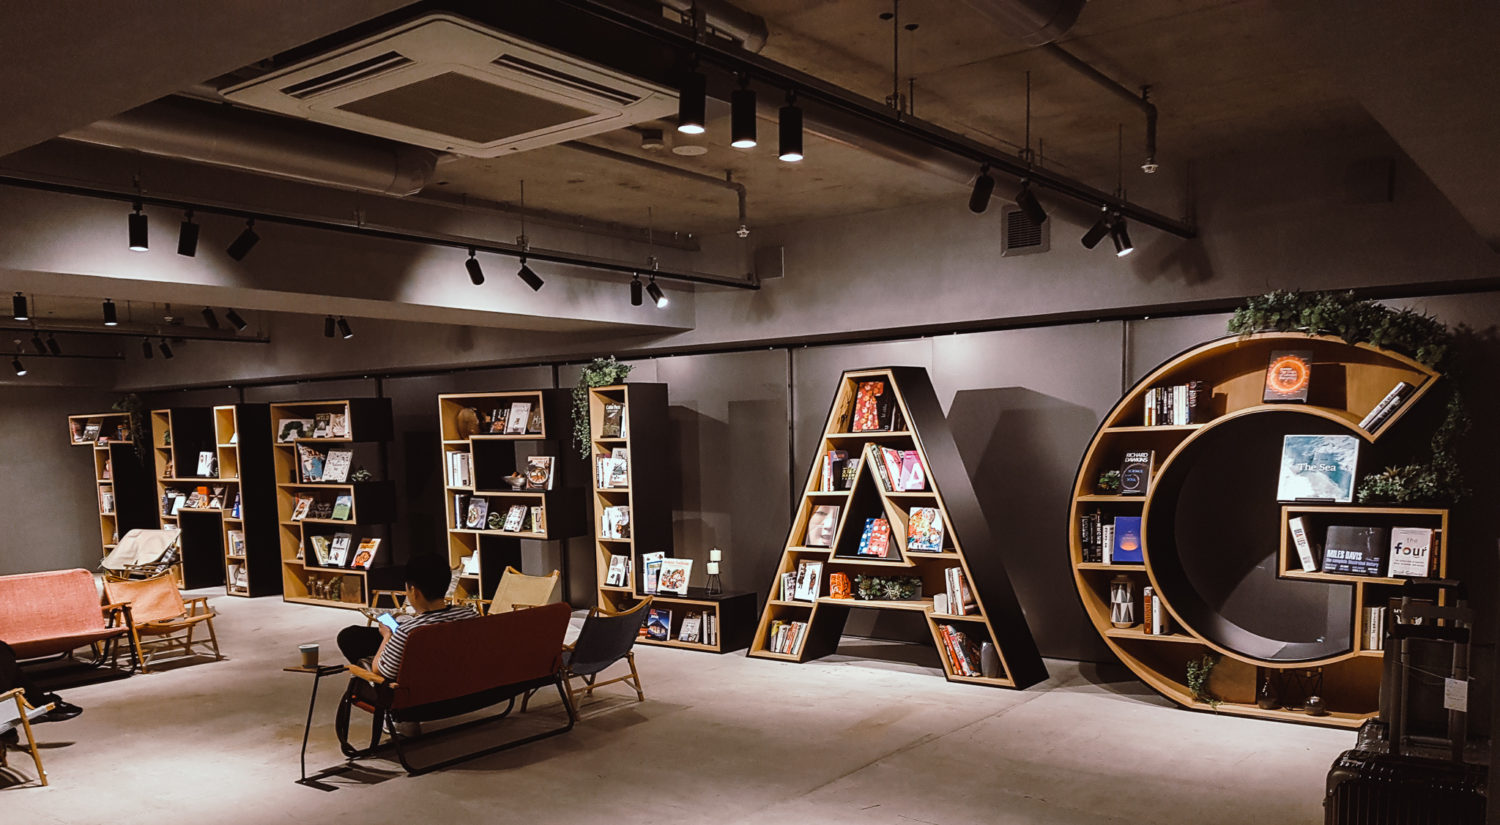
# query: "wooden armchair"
{"points": [[518, 590], [160, 620], [17, 714], [605, 638]]}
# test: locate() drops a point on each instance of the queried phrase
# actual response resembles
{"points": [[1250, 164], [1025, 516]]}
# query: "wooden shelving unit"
{"points": [[642, 435], [967, 543], [251, 552], [122, 484], [466, 422], [1180, 506], [179, 436], [366, 427]]}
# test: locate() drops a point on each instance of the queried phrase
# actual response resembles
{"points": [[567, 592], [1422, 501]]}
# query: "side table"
{"points": [[318, 672]]}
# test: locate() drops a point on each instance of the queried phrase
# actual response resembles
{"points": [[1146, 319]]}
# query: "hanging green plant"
{"points": [[134, 408], [1198, 671], [600, 372]]}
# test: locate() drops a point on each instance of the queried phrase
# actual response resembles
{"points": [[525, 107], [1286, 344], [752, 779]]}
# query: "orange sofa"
{"points": [[51, 613]]}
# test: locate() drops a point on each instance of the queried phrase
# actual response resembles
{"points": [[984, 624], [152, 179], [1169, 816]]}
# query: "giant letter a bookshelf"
{"points": [[895, 408]]}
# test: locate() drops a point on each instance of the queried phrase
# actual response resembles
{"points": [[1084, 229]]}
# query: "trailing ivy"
{"points": [[600, 372], [135, 409], [1415, 335], [1198, 671]]}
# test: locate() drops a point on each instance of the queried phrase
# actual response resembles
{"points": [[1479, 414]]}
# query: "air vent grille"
{"points": [[540, 72], [340, 78], [1020, 236]]}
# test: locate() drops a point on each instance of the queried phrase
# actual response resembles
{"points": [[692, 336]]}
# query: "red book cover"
{"points": [[1288, 375], [880, 538], [867, 406]]}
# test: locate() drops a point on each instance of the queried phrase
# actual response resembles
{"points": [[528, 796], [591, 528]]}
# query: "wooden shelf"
{"points": [[922, 605], [1138, 633], [1124, 565], [1120, 499], [873, 434], [1155, 428]]}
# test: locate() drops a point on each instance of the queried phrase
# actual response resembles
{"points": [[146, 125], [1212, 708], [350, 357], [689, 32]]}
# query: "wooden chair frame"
{"points": [[591, 681], [198, 612], [26, 712]]}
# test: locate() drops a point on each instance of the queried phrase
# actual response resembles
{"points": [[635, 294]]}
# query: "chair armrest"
{"points": [[368, 675], [118, 610], [196, 602]]}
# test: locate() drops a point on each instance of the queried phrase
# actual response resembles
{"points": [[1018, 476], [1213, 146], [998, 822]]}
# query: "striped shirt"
{"points": [[390, 660]]}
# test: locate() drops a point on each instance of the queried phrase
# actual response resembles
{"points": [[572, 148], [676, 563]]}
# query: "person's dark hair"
{"points": [[430, 574]]}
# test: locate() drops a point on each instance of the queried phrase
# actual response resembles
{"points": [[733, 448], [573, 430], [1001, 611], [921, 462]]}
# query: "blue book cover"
{"points": [[1127, 540]]}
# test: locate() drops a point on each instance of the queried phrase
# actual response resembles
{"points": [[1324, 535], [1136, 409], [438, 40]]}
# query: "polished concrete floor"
{"points": [[719, 739]]}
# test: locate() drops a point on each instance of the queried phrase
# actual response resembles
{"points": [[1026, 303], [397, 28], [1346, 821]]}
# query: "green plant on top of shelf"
{"points": [[886, 588], [1109, 482], [1198, 671], [135, 409], [600, 372]]}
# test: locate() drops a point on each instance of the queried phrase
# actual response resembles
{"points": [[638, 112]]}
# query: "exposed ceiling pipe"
{"points": [[236, 139], [666, 168], [749, 30], [1141, 101], [1033, 22]]}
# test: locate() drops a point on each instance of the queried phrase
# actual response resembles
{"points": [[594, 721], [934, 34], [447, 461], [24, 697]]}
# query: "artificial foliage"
{"points": [[600, 372], [1439, 480], [1198, 671], [1109, 481], [134, 408], [887, 588]]}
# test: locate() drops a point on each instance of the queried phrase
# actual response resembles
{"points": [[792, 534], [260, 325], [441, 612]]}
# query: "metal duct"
{"points": [[232, 138], [1033, 22], [749, 29]]}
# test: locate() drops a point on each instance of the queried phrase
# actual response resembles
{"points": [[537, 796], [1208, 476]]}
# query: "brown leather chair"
{"points": [[160, 620]]}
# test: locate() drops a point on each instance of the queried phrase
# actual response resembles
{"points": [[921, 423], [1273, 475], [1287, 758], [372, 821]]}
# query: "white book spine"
{"points": [[1107, 543], [1304, 549]]}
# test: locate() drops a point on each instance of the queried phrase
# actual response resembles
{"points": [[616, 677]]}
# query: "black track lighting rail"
{"points": [[365, 230], [809, 89], [133, 331]]}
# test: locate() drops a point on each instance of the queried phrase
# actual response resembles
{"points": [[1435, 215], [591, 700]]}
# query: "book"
{"points": [[809, 581], [619, 467], [651, 571], [1304, 548], [515, 420], [913, 476], [515, 518], [614, 522], [674, 576], [1135, 472], [469, 564], [1387, 407], [364, 555], [1411, 552], [876, 540], [891, 461], [613, 424], [336, 466], [478, 512], [692, 628], [924, 529], [208, 464], [338, 425], [310, 462], [658, 624], [106, 500], [539, 472], [236, 540], [534, 421], [301, 508], [788, 586], [338, 549], [1358, 551], [873, 454], [342, 507], [216, 499], [321, 548], [1288, 376], [1126, 547], [833, 462], [538, 519], [603, 471], [958, 599], [322, 425], [91, 431], [179, 501], [872, 407], [618, 575], [1318, 468], [235, 513], [291, 429], [821, 526]]}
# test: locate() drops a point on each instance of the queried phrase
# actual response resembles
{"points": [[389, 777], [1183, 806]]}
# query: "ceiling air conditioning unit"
{"points": [[453, 85]]}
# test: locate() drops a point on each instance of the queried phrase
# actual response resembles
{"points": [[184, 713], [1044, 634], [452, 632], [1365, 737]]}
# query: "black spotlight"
{"points": [[1097, 232], [790, 131], [138, 229], [328, 326], [18, 310], [635, 289], [52, 345], [656, 294], [166, 349], [15, 364], [1117, 232], [742, 116], [210, 318], [146, 348], [243, 244], [110, 319], [531, 278], [187, 236], [984, 187], [234, 318], [38, 344], [692, 104], [1026, 199], [475, 273], [344, 330]]}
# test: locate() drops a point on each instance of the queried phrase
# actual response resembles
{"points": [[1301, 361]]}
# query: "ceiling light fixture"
{"points": [[15, 364], [1026, 199], [138, 240], [692, 102], [328, 326], [110, 318], [526, 273], [245, 242], [38, 343], [166, 349], [742, 115], [234, 318], [52, 345], [1097, 232], [472, 264], [344, 330], [18, 308], [210, 318], [652, 141], [635, 289], [789, 128], [187, 236], [656, 293], [984, 187], [146, 351], [1121, 237]]}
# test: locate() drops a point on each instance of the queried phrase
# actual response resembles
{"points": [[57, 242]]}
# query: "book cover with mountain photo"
{"points": [[1318, 468]]}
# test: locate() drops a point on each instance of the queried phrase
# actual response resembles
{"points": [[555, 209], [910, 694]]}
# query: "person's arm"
{"points": [[385, 641]]}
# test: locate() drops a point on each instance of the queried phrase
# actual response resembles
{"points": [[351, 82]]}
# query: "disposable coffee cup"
{"points": [[309, 655]]}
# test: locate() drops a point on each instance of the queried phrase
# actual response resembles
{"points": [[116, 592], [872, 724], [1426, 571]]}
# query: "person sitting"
{"points": [[12, 677]]}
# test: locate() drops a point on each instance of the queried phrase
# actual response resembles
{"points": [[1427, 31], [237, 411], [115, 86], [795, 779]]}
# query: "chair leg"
{"points": [[526, 699], [640, 695], [214, 639], [36, 752], [140, 654]]}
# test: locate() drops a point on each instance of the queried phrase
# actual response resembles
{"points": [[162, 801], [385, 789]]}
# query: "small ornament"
{"points": [[1315, 706], [838, 586], [989, 661], [1267, 699], [715, 585], [1122, 601]]}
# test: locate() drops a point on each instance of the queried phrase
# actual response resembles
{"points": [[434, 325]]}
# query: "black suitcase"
{"points": [[1376, 784]]}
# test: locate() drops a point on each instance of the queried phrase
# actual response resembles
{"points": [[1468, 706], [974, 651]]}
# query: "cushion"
{"points": [[53, 645], [50, 605]]}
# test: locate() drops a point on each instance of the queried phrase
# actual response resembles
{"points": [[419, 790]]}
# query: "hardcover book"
{"points": [[311, 462], [208, 464], [1387, 407], [236, 542], [691, 631], [516, 419], [821, 526], [618, 571], [534, 421], [876, 540], [924, 529], [338, 425], [342, 507], [658, 624], [1304, 548], [515, 518], [322, 425], [674, 576], [291, 429], [538, 519], [872, 407], [1318, 468], [651, 571], [336, 466], [338, 549], [613, 425], [1358, 551], [913, 476], [539, 472], [809, 581], [1135, 472], [301, 508], [321, 549], [479, 509], [1288, 376], [364, 555], [1411, 552], [1127, 540], [619, 467]]}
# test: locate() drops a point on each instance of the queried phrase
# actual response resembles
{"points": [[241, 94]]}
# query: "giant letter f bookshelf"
{"points": [[915, 423]]}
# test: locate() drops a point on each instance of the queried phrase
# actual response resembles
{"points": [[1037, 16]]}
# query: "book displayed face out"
{"points": [[1318, 468]]}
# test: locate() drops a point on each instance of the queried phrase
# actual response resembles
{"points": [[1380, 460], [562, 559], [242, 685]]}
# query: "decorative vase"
{"points": [[1267, 699], [989, 661], [1122, 601], [1315, 706]]}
